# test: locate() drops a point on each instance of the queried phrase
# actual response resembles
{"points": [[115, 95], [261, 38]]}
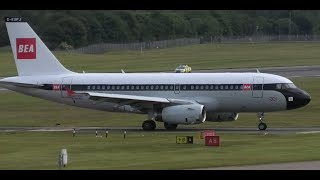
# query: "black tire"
{"points": [[148, 125], [262, 126], [170, 126]]}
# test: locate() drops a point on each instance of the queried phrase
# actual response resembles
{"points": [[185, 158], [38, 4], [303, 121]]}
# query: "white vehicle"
{"points": [[171, 98], [183, 68]]}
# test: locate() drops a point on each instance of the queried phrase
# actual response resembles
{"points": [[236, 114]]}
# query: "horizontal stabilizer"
{"points": [[4, 83]]}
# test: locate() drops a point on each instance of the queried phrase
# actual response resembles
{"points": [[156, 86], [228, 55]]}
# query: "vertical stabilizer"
{"points": [[31, 55]]}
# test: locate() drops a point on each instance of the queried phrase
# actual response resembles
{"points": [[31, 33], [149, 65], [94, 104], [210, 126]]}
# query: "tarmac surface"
{"points": [[305, 165], [289, 72], [179, 130]]}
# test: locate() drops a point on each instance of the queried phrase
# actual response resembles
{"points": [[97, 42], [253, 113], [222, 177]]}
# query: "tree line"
{"points": [[77, 28]]}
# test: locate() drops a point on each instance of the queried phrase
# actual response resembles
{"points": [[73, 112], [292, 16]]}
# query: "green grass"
{"points": [[142, 150], [152, 150], [21, 110], [205, 56]]}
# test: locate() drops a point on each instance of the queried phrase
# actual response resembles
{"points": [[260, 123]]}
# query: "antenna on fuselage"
{"points": [[258, 71], [122, 71]]}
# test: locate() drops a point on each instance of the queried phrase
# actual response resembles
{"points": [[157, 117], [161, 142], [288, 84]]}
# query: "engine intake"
{"points": [[184, 114]]}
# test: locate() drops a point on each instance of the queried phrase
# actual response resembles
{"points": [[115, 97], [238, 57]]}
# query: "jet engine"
{"points": [[223, 116], [183, 114]]}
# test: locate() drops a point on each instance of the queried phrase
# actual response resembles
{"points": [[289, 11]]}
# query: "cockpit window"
{"points": [[278, 86], [285, 86], [288, 86], [291, 85]]}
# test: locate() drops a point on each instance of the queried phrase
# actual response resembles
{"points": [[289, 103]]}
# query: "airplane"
{"points": [[171, 98]]}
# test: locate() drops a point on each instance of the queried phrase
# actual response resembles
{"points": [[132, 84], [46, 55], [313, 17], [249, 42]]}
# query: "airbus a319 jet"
{"points": [[171, 98]]}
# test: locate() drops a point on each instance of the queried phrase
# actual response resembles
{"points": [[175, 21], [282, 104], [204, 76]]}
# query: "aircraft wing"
{"points": [[133, 100]]}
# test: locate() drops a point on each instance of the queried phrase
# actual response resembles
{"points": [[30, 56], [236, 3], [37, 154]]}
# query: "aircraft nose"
{"points": [[306, 98], [299, 99]]}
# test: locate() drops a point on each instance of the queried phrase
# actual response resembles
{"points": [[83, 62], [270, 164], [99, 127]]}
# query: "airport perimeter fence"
{"points": [[107, 47], [260, 39], [141, 46]]}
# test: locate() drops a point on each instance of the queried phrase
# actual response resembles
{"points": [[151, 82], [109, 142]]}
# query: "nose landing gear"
{"points": [[262, 125]]}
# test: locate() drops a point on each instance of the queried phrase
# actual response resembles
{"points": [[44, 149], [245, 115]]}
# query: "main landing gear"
{"points": [[149, 125], [170, 126], [262, 125]]}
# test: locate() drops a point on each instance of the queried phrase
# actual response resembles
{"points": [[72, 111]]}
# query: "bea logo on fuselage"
{"points": [[247, 87], [26, 48]]}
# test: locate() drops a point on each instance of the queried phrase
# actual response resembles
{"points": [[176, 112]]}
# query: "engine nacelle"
{"points": [[223, 116], [184, 114]]}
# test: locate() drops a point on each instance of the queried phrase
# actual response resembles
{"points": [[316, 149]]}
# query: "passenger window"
{"points": [[166, 87], [236, 86], [217, 87], [132, 87], [157, 87], [142, 87], [207, 87], [128, 87], [226, 87], [221, 86], [98, 87], [103, 87], [93, 87], [151, 87], [241, 87], [122, 87], [137, 87], [211, 87], [161, 87], [201, 87], [108, 87], [231, 86], [197, 87], [171, 87], [184, 87], [192, 87], [88, 87], [147, 87]]}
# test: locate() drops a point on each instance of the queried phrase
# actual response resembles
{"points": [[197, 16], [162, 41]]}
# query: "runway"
{"points": [[305, 165], [289, 72], [160, 130]]}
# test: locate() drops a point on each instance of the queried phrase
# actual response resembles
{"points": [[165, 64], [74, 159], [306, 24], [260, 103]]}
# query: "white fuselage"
{"points": [[219, 92]]}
